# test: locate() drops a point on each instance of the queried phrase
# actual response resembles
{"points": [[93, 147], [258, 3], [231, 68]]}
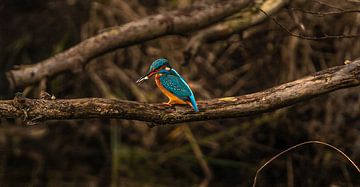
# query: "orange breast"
{"points": [[168, 94]]}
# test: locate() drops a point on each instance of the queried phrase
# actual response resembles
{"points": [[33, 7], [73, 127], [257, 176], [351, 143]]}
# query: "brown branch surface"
{"points": [[235, 24], [287, 94], [175, 22]]}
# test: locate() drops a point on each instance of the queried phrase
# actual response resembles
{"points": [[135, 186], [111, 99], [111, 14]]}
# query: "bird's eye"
{"points": [[167, 69]]}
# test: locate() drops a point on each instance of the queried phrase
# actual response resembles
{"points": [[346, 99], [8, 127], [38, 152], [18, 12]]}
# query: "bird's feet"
{"points": [[172, 104], [167, 104]]}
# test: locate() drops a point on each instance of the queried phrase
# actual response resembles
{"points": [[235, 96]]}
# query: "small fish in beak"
{"points": [[143, 78]]}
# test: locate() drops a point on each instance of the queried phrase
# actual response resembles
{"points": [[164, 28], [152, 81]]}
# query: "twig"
{"points": [[239, 129], [326, 37], [321, 14], [199, 156], [102, 86], [237, 23], [328, 5], [299, 145]]}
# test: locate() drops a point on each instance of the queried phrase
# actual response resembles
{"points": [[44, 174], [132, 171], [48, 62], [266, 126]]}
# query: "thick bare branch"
{"points": [[280, 96], [235, 24], [151, 27]]}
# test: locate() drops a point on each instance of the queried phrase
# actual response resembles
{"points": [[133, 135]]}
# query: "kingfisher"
{"points": [[170, 83]]}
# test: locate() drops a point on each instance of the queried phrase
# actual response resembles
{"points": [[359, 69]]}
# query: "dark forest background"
{"points": [[129, 153]]}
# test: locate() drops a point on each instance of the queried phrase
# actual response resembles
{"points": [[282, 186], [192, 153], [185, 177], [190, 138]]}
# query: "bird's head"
{"points": [[156, 67]]}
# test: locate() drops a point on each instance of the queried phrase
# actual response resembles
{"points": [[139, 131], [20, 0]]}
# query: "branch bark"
{"points": [[234, 24], [175, 22], [277, 97]]}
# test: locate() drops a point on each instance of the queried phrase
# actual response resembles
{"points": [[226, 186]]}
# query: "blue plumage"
{"points": [[158, 64], [175, 84]]}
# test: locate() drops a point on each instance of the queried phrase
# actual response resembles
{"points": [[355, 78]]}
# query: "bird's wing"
{"points": [[176, 86]]}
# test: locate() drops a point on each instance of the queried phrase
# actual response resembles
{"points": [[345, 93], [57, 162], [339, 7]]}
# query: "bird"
{"points": [[170, 83]]}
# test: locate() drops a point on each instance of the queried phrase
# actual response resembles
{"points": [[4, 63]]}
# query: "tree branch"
{"points": [[325, 37], [235, 24], [175, 22], [277, 97], [322, 14]]}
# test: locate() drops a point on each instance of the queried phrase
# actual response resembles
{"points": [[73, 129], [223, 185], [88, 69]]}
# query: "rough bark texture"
{"points": [[151, 27], [280, 96]]}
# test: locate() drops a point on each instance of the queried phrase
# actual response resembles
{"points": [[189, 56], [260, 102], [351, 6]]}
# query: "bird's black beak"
{"points": [[146, 77], [142, 79]]}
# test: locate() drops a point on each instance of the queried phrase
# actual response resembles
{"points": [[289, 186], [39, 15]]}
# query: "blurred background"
{"points": [[220, 152]]}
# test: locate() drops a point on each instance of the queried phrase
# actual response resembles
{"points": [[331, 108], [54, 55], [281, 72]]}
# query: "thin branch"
{"points": [[271, 99], [234, 24], [299, 145], [328, 5], [174, 22], [321, 14], [326, 37], [199, 156]]}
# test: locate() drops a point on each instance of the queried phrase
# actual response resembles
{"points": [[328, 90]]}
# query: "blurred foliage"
{"points": [[128, 153]]}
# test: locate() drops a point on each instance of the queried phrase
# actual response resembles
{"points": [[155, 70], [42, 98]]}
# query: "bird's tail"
{"points": [[193, 103]]}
